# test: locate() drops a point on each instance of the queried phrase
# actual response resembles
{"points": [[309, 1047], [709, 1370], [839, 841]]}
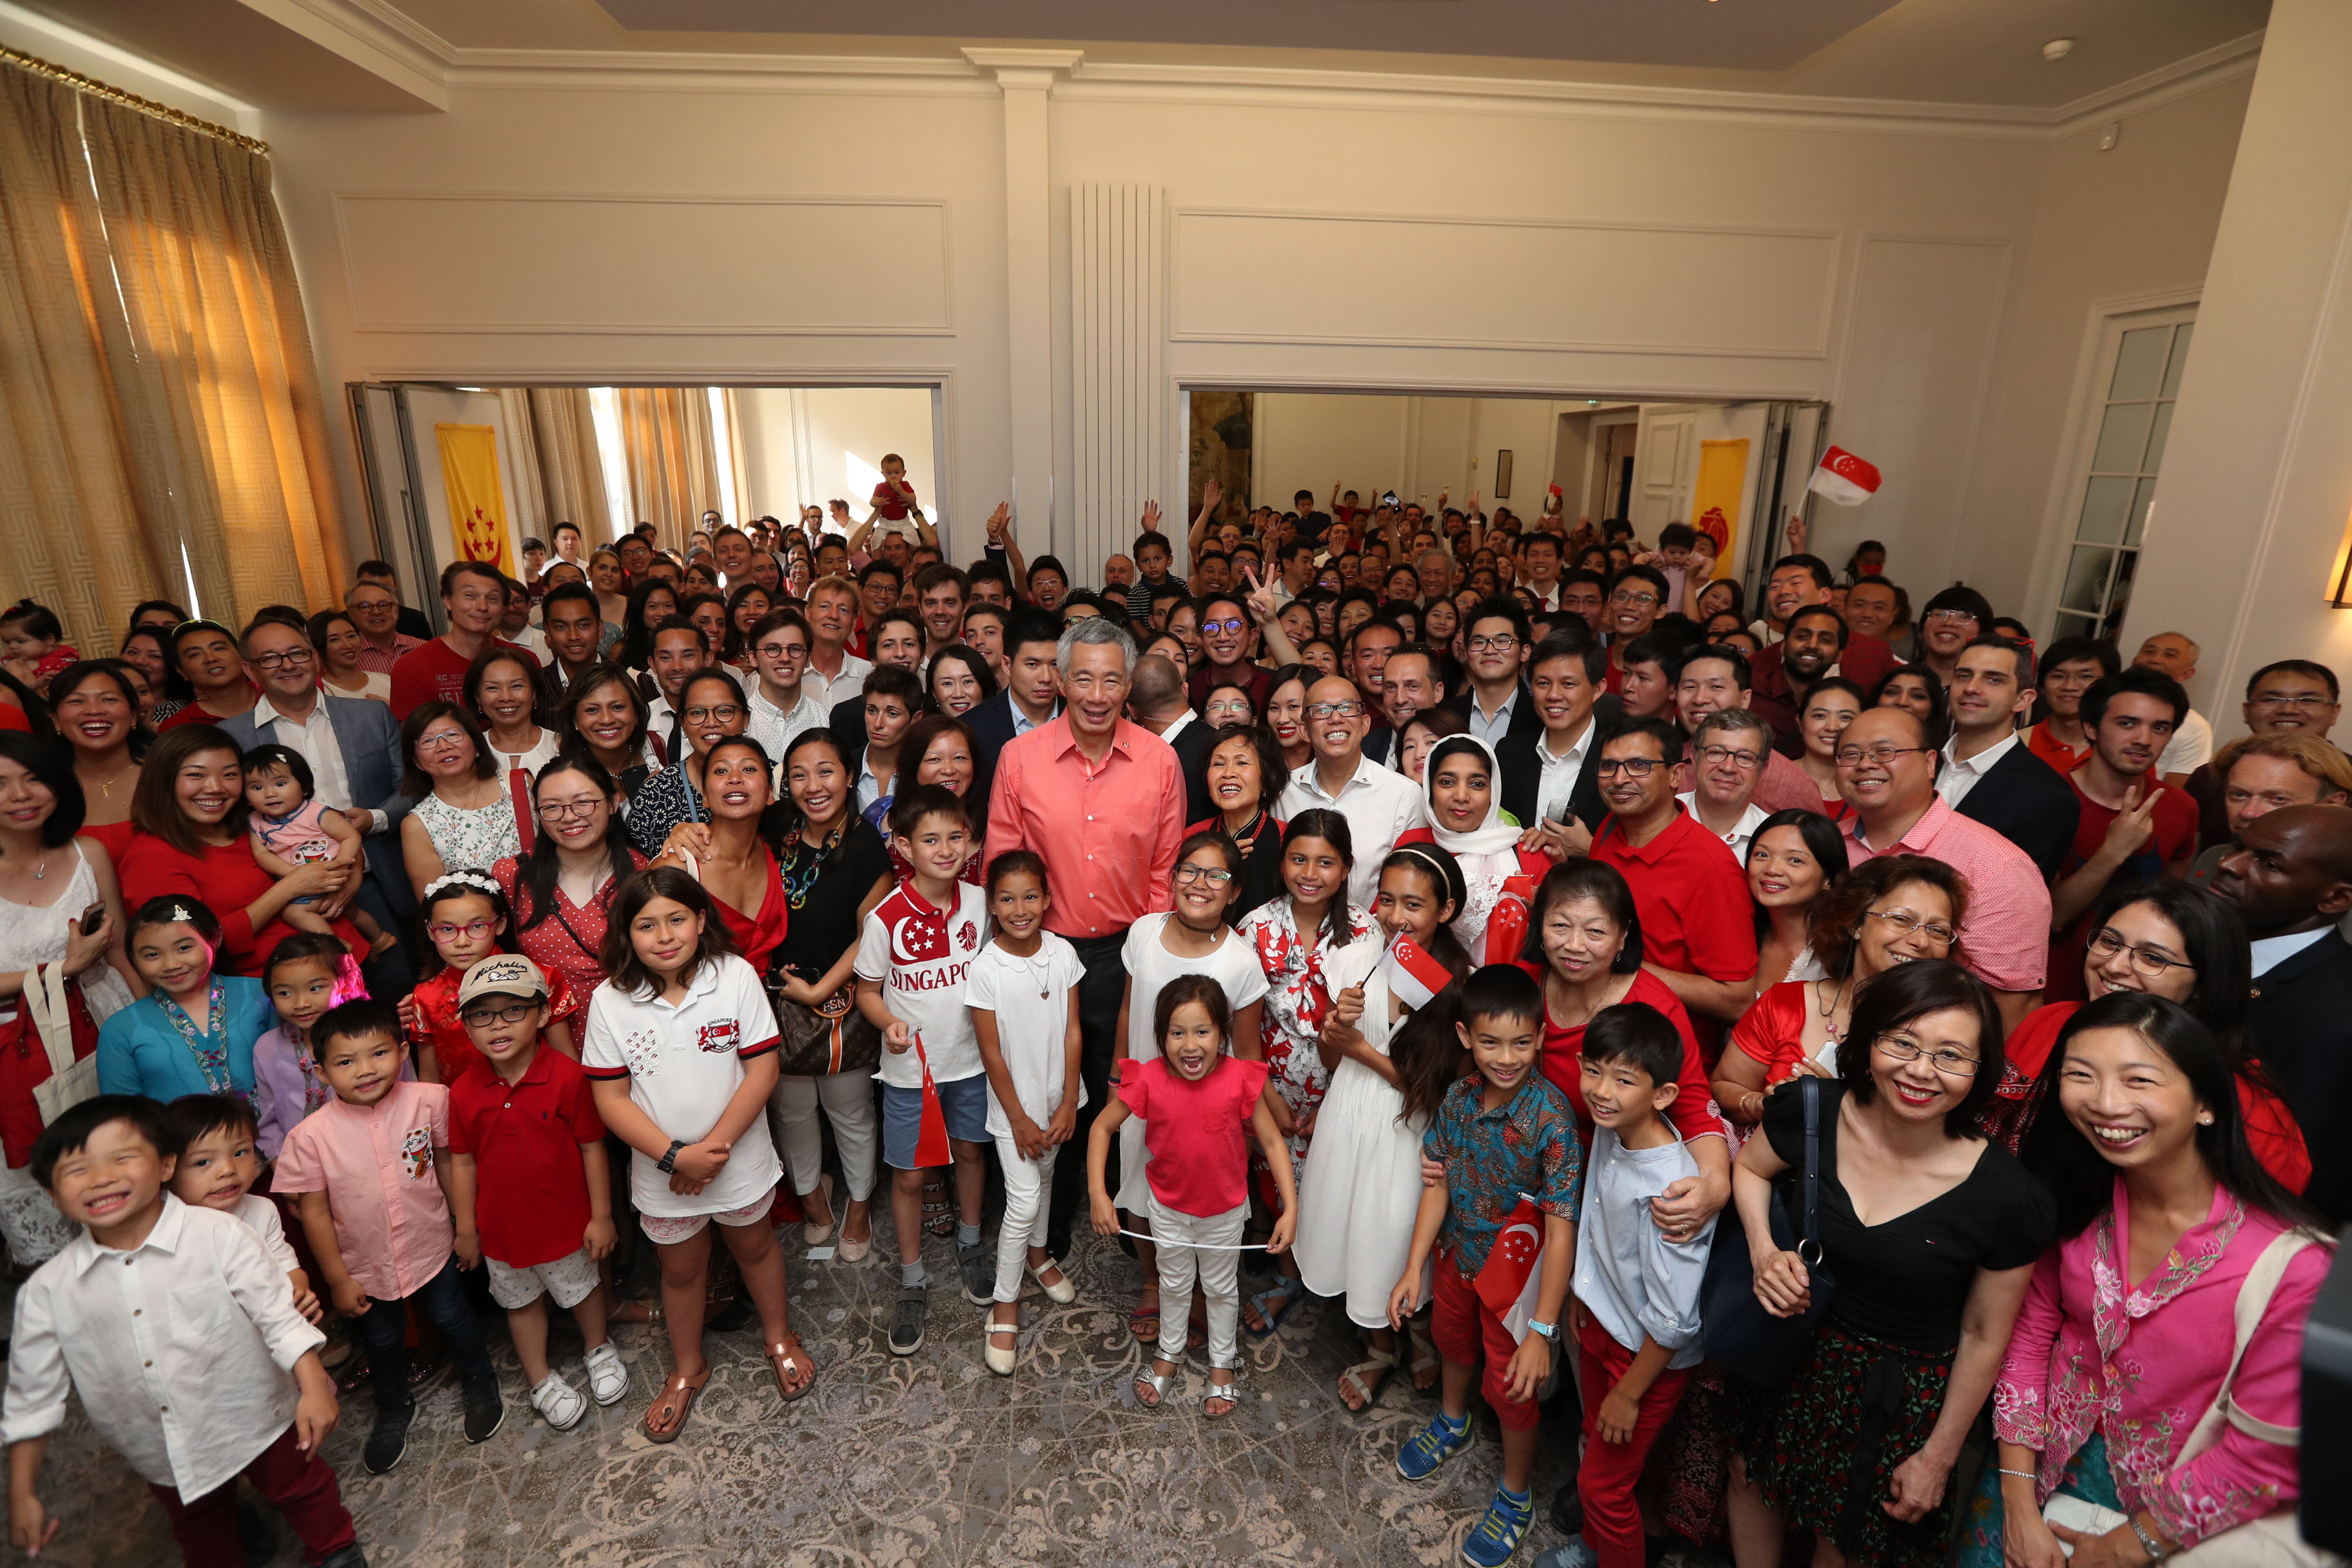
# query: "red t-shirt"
{"points": [[2175, 839], [892, 504], [194, 713], [1198, 1133], [1693, 1114], [525, 1138], [434, 671]]}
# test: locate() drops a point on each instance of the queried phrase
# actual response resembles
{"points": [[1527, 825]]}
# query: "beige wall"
{"points": [[781, 225], [798, 443]]}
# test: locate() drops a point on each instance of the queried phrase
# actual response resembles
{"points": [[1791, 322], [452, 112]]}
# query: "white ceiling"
{"points": [[299, 54]]}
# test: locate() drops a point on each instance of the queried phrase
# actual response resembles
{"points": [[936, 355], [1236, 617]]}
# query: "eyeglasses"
{"points": [[1881, 756], [568, 810], [781, 650], [1623, 598], [1632, 767], [1715, 756], [1336, 711], [1951, 617], [2146, 961], [483, 1018], [1946, 1060], [1903, 925], [723, 713], [444, 930], [299, 656], [1229, 626], [443, 740], [1502, 644], [1217, 876], [2283, 699]]}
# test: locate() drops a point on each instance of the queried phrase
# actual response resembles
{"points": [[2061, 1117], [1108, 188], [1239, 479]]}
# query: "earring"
{"points": [[2205, 1119]]}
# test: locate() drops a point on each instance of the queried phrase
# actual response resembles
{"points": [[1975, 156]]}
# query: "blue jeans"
{"points": [[443, 1299]]}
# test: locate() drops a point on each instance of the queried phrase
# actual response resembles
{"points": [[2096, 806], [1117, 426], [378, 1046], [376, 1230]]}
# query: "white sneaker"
{"points": [[559, 1401], [608, 1380]]}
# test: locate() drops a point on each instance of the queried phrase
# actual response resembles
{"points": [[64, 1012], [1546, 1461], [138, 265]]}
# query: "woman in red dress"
{"points": [[97, 711]]}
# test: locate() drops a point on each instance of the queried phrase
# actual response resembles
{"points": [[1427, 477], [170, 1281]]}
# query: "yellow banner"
{"points": [[477, 503], [1722, 486]]}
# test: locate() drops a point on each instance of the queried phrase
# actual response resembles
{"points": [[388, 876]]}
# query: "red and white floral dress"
{"points": [[1295, 1006]]}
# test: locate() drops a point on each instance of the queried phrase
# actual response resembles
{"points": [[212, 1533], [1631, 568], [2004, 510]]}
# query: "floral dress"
{"points": [[473, 839], [1295, 1006]]}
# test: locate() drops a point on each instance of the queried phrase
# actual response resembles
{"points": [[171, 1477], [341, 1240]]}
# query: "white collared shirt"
{"points": [[1558, 781], [315, 738], [2192, 746], [1175, 729], [841, 687], [1381, 807], [181, 1349], [1491, 730], [2269, 952], [1957, 778], [1743, 832], [774, 728]]}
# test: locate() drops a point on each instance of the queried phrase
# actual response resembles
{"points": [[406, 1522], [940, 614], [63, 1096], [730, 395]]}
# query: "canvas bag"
{"points": [[54, 1010]]}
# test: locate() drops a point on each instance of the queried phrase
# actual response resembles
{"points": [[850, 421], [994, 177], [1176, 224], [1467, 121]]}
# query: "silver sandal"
{"points": [[1158, 1382], [1231, 1393]]}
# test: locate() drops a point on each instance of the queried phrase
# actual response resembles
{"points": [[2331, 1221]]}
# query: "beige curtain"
{"points": [[528, 507], [673, 459], [571, 472], [215, 388], [72, 534]]}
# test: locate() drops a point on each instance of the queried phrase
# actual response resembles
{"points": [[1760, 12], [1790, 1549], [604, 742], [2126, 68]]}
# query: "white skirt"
{"points": [[1360, 1190]]}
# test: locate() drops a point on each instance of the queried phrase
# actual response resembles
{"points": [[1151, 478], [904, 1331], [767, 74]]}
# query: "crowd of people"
{"points": [[1866, 1076]]}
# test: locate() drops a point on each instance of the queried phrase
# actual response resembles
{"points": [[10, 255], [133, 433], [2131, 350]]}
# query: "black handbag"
{"points": [[1735, 1329]]}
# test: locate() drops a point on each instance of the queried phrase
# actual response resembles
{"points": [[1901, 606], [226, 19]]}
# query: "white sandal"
{"points": [[1060, 1294]]}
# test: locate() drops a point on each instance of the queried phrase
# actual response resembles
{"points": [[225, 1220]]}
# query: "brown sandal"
{"points": [[679, 1388], [795, 1359]]}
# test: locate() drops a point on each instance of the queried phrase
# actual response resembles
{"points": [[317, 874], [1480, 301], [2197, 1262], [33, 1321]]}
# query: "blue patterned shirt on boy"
{"points": [[1527, 1144]]}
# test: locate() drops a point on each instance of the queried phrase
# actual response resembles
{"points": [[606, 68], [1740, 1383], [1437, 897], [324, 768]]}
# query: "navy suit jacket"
{"points": [[370, 742], [2026, 801], [1524, 717], [2301, 1018]]}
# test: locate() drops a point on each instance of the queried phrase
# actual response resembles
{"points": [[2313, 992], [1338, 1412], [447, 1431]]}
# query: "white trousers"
{"points": [[1203, 1245], [848, 1102], [1027, 1185]]}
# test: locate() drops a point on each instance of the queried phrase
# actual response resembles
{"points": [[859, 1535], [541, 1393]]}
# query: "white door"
{"points": [[2127, 422], [1665, 465]]}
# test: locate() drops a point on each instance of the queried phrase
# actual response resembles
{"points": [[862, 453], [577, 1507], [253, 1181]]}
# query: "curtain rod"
{"points": [[96, 89]]}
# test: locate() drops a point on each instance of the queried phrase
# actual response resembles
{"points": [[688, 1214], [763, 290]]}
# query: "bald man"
{"points": [[2290, 875], [1380, 805], [2192, 746], [1155, 699]]}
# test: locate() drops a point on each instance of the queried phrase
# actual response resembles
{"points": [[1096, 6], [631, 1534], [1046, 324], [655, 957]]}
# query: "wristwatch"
{"points": [[668, 1164], [2156, 1550], [1548, 1331]]}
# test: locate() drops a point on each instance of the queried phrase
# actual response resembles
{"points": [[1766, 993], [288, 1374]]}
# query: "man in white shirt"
{"points": [[781, 706], [1380, 805], [1988, 773], [834, 674], [2192, 746], [181, 1337], [679, 650], [1728, 749]]}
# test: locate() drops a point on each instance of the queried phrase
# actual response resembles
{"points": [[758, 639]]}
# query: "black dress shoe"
{"points": [[1567, 1509]]}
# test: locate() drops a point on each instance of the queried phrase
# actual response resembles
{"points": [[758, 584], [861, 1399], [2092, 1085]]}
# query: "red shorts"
{"points": [[1467, 1331]]}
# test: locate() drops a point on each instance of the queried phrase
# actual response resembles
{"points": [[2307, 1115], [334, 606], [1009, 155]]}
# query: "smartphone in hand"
{"points": [[92, 918]]}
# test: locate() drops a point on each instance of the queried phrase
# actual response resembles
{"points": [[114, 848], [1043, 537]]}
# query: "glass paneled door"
{"points": [[2131, 417]]}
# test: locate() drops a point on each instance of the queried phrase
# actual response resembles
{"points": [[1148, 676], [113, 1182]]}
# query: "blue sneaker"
{"points": [[1577, 1553], [1435, 1444], [1493, 1537]]}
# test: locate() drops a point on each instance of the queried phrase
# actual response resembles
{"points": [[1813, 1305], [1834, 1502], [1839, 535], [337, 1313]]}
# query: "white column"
{"points": [[2250, 514], [1026, 77]]}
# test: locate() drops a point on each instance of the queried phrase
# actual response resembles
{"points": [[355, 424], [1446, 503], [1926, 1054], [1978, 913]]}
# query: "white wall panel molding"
{"points": [[412, 263], [1247, 275], [1118, 246]]}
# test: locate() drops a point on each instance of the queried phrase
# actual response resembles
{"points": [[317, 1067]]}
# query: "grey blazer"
{"points": [[369, 742]]}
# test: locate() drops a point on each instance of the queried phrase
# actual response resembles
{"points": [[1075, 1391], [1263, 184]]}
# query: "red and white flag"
{"points": [[1413, 973], [1844, 477], [1513, 1271], [931, 1149]]}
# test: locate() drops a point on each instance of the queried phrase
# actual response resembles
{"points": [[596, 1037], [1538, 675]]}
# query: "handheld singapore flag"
{"points": [[1413, 973], [1513, 1272], [932, 1144], [1844, 477]]}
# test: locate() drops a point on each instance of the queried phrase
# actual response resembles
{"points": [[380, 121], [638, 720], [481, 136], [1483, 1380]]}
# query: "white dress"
{"points": [[1360, 1188], [1150, 966], [34, 1229]]}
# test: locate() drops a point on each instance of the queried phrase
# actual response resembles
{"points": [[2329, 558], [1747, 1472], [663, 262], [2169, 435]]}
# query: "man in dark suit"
{"points": [[1493, 700], [1032, 695], [1989, 772], [1155, 699], [2290, 877], [1548, 782], [353, 748]]}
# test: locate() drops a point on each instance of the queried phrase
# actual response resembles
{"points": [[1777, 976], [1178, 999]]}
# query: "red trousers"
{"points": [[299, 1485], [1465, 1331], [1606, 1476]]}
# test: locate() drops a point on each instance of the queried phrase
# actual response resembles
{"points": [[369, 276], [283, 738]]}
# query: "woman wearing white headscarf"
{"points": [[1461, 801]]}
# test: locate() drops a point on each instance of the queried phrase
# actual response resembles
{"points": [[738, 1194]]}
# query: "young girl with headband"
{"points": [[465, 915]]}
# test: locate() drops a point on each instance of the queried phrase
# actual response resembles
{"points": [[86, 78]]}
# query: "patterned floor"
{"points": [[928, 1460]]}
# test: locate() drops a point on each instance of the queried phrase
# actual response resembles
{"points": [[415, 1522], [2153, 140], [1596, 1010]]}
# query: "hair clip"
{"points": [[180, 914], [472, 879]]}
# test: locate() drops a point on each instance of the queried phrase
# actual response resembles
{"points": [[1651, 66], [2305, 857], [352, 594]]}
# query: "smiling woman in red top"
{"points": [[191, 840], [1584, 944]]}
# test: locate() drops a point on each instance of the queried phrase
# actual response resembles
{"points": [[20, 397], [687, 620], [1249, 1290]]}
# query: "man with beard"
{"points": [[2291, 880], [1990, 774], [2133, 825]]}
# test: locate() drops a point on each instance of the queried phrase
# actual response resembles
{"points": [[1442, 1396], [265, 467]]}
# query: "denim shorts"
{"points": [[963, 1103]]}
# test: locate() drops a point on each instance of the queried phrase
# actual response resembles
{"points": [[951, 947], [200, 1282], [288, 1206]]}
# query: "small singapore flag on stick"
{"points": [[1508, 1282], [1413, 973], [1844, 477]]}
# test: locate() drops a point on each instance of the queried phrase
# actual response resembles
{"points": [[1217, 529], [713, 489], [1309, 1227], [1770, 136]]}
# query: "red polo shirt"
{"points": [[435, 671], [2175, 839], [532, 1193], [1692, 900]]}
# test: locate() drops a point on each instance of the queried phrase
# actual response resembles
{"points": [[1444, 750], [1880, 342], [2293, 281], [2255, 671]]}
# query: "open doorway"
{"points": [[455, 472]]}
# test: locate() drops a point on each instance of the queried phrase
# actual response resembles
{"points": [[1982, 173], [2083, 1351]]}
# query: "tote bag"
{"points": [[1735, 1330]]}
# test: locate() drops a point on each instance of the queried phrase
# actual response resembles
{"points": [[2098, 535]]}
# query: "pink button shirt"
{"points": [[375, 1165], [1107, 833], [2006, 938]]}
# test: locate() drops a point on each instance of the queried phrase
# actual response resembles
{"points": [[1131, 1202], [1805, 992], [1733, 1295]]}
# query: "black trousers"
{"points": [[1099, 991]]}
